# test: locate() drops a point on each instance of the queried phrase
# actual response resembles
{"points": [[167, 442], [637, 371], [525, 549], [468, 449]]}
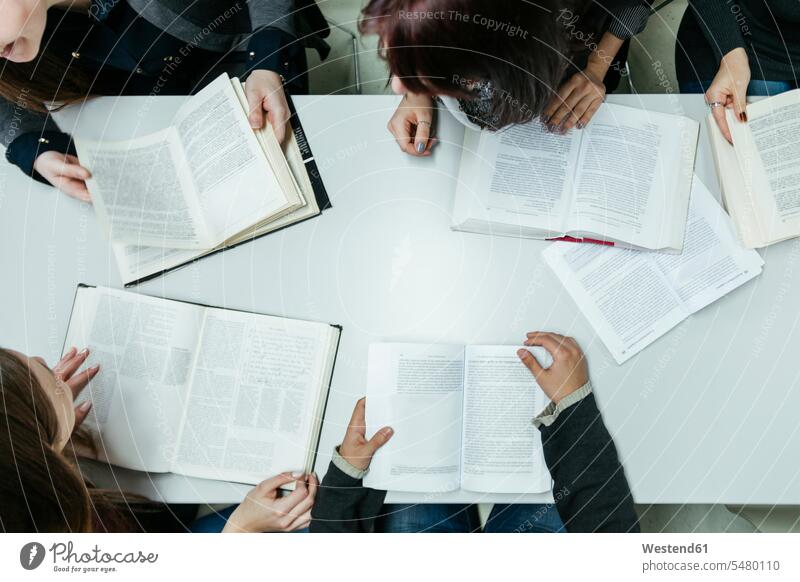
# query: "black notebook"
{"points": [[202, 391]]}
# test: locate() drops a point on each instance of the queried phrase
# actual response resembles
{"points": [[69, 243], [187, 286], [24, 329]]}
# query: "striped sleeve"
{"points": [[629, 21]]}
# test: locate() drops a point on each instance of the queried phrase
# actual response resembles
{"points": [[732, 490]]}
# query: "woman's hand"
{"points": [[64, 371], [729, 88], [569, 370], [65, 172], [264, 92], [412, 124], [577, 100], [355, 448], [264, 510]]}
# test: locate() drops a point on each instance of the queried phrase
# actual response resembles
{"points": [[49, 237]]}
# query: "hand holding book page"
{"points": [[253, 402], [191, 185], [461, 418], [356, 449], [632, 298], [201, 391], [760, 173], [144, 347], [625, 179], [136, 262]]}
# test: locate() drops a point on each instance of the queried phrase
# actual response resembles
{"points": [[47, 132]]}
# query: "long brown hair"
{"points": [[517, 46], [42, 488], [50, 78]]}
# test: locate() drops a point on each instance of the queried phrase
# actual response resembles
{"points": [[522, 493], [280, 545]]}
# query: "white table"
{"points": [[706, 414]]}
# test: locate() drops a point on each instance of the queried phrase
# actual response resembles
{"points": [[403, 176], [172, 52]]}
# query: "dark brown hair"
{"points": [[46, 79], [432, 45], [50, 78], [41, 488]]}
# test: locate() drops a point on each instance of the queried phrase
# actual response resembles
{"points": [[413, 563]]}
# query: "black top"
{"points": [[593, 493], [126, 54], [768, 31]]}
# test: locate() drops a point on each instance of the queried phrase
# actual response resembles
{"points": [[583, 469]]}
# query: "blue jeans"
{"points": [[459, 518], [215, 522], [756, 88]]}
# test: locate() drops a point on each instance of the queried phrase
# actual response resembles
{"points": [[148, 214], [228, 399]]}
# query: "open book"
{"points": [[623, 180], [760, 173], [632, 298], [205, 183], [461, 419], [201, 391]]}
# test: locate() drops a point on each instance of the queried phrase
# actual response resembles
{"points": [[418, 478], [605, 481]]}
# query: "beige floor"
{"points": [[655, 44]]}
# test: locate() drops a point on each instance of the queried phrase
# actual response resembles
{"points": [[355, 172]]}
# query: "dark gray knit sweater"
{"points": [[768, 30]]}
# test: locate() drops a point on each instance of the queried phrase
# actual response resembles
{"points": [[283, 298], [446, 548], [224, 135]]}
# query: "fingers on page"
{"points": [[255, 102], [422, 135], [273, 483], [530, 361], [279, 118], [380, 438], [69, 366], [81, 412], [722, 122]]}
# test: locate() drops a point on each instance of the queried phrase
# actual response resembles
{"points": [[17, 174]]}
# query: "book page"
{"points": [[142, 193], [253, 397], [524, 176], [416, 389], [145, 347], [744, 208], [502, 450], [624, 295], [135, 262], [235, 183], [769, 155], [713, 262], [277, 157], [629, 177]]}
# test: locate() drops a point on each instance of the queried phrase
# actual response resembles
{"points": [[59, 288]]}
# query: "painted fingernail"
{"points": [[743, 116], [545, 119], [580, 125], [420, 147], [84, 352], [95, 369]]}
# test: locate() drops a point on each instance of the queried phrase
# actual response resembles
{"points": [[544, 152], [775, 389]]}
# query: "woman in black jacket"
{"points": [[61, 51], [590, 488], [493, 64]]}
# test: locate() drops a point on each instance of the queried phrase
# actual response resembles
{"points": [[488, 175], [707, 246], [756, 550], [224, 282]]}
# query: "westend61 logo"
{"points": [[66, 559]]}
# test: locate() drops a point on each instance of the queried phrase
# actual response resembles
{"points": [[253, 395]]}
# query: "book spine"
{"points": [[308, 158]]}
